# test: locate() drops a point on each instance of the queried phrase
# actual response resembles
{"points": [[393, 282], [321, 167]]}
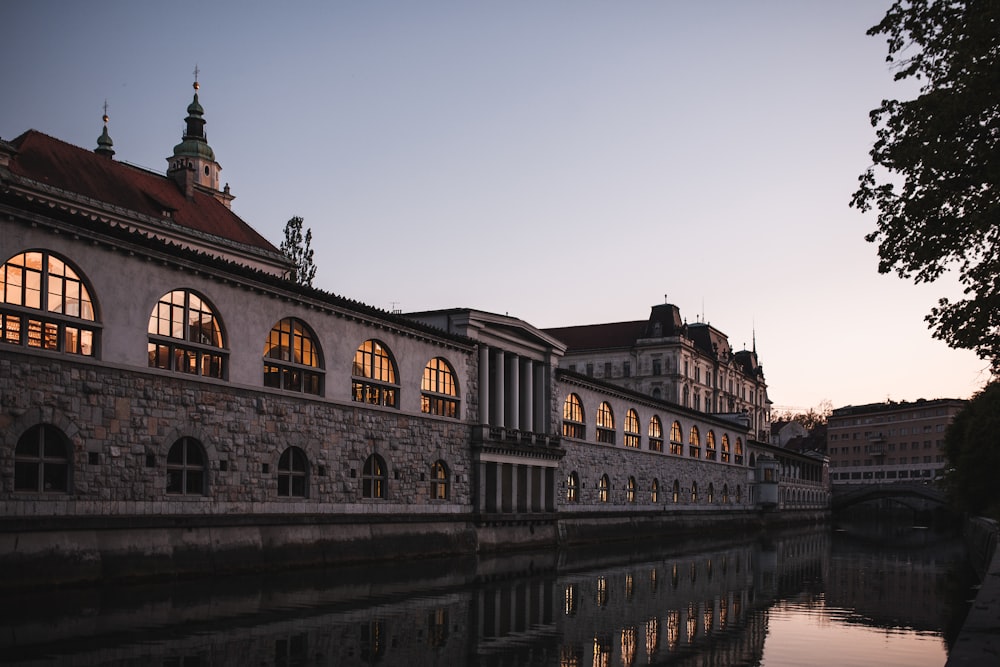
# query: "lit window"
{"points": [[572, 488], [632, 437], [45, 304], [694, 443], [292, 473], [439, 390], [439, 481], [738, 454], [185, 336], [711, 493], [291, 358], [374, 373], [605, 424], [710, 450], [42, 460], [655, 434], [573, 424], [602, 489], [676, 439], [186, 468], [694, 492], [675, 492], [374, 478], [630, 490], [725, 448], [725, 494], [654, 492]]}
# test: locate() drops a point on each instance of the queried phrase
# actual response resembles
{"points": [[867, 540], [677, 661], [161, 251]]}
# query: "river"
{"points": [[864, 594]]}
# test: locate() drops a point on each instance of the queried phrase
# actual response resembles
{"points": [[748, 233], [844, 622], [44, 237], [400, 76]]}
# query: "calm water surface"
{"points": [[883, 595]]}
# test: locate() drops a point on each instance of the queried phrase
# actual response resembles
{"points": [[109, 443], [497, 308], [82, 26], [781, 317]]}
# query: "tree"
{"points": [[972, 446], [935, 173], [810, 419], [297, 249]]}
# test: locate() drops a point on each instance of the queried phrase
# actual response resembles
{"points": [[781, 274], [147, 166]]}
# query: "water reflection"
{"points": [[767, 601]]}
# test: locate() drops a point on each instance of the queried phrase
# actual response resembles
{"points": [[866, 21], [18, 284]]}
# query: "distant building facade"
{"points": [[664, 357], [889, 442]]}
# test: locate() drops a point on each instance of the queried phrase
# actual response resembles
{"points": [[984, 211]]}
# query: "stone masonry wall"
{"points": [[123, 422]]}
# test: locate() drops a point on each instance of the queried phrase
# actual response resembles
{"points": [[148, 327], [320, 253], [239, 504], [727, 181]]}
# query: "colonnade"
{"points": [[513, 391]]}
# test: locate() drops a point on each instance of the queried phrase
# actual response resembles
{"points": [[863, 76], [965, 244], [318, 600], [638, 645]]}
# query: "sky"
{"points": [[563, 162]]}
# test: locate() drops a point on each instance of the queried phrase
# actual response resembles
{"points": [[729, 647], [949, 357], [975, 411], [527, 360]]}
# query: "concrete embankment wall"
{"points": [[39, 553], [978, 643]]}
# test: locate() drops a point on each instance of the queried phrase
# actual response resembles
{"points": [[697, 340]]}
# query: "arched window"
{"points": [[44, 303], [185, 336], [725, 494], [602, 488], [655, 434], [711, 493], [439, 481], [374, 373], [605, 424], [675, 492], [711, 452], [725, 448], [739, 494], [738, 454], [654, 491], [291, 358], [694, 492], [676, 439], [42, 460], [573, 421], [374, 477], [657, 394], [293, 469], [694, 443], [186, 466], [572, 488], [632, 437], [686, 393], [630, 490], [439, 389]]}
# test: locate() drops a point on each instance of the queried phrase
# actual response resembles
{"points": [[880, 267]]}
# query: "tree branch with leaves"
{"points": [[935, 173], [297, 248]]}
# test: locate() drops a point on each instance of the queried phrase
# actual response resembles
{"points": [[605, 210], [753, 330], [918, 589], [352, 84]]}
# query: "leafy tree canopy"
{"points": [[296, 248], [935, 173], [972, 445]]}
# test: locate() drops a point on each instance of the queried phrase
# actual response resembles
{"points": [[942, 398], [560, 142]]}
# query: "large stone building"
{"points": [[889, 442], [665, 357], [170, 401]]}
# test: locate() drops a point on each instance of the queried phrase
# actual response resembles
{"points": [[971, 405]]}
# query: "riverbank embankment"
{"points": [[978, 644]]}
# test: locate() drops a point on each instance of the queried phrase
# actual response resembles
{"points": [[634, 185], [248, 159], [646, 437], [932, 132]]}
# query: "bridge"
{"points": [[904, 493]]}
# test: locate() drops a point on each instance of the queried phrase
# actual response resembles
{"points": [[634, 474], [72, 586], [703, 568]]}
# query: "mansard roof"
{"points": [[599, 336], [61, 170]]}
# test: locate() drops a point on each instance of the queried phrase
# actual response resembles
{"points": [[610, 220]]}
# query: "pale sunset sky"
{"points": [[565, 162]]}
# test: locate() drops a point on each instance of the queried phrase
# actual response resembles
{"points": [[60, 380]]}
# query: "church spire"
{"points": [[193, 162], [104, 143]]}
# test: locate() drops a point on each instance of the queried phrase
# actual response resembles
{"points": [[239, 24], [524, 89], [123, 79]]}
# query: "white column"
{"points": [[541, 399], [498, 391], [514, 366], [527, 396], [484, 384]]}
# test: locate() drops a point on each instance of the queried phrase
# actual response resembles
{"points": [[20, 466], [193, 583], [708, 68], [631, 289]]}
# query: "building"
{"points": [[665, 357], [170, 401], [889, 442]]}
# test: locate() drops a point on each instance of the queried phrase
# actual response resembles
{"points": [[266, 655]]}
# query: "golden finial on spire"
{"points": [[106, 119], [196, 70]]}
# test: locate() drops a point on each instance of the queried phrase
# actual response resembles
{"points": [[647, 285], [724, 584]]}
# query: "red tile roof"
{"points": [[599, 336], [61, 165]]}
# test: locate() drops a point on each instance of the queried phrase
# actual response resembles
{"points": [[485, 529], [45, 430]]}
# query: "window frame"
{"points": [[185, 469], [676, 439], [694, 443], [604, 489], [631, 438], [372, 361], [605, 424], [289, 473], [179, 353], [292, 338], [572, 487], [374, 478], [440, 481], [439, 389], [655, 434], [43, 326], [574, 424], [45, 467]]}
